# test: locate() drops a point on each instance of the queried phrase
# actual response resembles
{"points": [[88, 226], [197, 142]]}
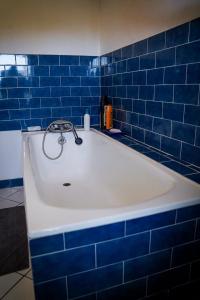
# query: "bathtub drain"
{"points": [[66, 184]]}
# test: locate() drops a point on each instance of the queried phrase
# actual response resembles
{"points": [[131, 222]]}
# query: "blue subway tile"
{"points": [[46, 244], [50, 102], [85, 101], [4, 115], [78, 111], [10, 125], [187, 94], [90, 81], [165, 58], [117, 79], [117, 103], [87, 297], [70, 101], [40, 112], [32, 60], [94, 235], [117, 55], [48, 60], [49, 81], [127, 52], [195, 270], [150, 222], [127, 104], [146, 92], [177, 35], [3, 93], [60, 91], [28, 82], [121, 115], [183, 132], [164, 93], [175, 75], [8, 82], [170, 146], [154, 108], [139, 148], [132, 92], [41, 71], [139, 78], [79, 71], [91, 61], [188, 53], [70, 262], [137, 133], [147, 61], [168, 279], [15, 71], [59, 71], [9, 104], [157, 156], [121, 91], [185, 291], [129, 291], [194, 177], [69, 60], [29, 103], [121, 66], [145, 122], [194, 30], [133, 64], [11, 182], [172, 235], [173, 111], [31, 122], [146, 265], [156, 42], [152, 139], [94, 280], [126, 78], [19, 114], [18, 93], [186, 253], [162, 126], [139, 106], [191, 154], [140, 48], [192, 115], [80, 91], [155, 76], [132, 118], [40, 92], [55, 289], [61, 112], [178, 167], [123, 248], [7, 59], [193, 73]]}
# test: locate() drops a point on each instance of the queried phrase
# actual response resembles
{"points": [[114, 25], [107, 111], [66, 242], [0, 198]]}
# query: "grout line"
{"points": [[12, 287]]}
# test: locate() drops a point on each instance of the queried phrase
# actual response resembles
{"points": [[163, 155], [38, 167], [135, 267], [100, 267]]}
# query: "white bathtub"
{"points": [[109, 181]]}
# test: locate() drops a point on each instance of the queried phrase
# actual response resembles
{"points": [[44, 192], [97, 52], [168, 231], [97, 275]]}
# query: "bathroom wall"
{"points": [[154, 87], [50, 27], [125, 22]]}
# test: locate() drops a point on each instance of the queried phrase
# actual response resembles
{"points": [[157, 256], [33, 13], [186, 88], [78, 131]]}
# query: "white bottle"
{"points": [[86, 120]]}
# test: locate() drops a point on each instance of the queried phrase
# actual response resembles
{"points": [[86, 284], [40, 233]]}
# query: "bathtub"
{"points": [[105, 222]]}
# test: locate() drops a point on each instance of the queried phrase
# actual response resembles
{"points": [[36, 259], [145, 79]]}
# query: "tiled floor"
{"points": [[19, 285]]}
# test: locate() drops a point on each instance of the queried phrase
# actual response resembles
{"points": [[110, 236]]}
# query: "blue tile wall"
{"points": [[164, 91], [151, 257], [36, 89]]}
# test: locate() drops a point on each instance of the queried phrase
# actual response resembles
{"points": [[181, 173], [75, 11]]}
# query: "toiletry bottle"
{"points": [[108, 116], [86, 120], [104, 102]]}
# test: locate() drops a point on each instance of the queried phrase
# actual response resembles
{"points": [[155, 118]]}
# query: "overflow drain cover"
{"points": [[66, 184]]}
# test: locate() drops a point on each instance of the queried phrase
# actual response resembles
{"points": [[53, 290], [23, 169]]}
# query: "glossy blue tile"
{"points": [[150, 222], [11, 182], [10, 125], [146, 92], [70, 262], [41, 71], [183, 132], [193, 73], [127, 104], [140, 48], [177, 35], [133, 64], [123, 248], [175, 75], [147, 61], [117, 55], [187, 94], [172, 235], [126, 78], [40, 92], [185, 291], [88, 297], [157, 156], [15, 71], [32, 60], [17, 114], [94, 280], [93, 235], [173, 111], [168, 279], [194, 177], [79, 70], [129, 291], [139, 78], [28, 81], [139, 106], [195, 270], [41, 113], [60, 91], [194, 30], [7, 59], [154, 108], [55, 289], [49, 81], [132, 118], [116, 79], [127, 52], [29, 103], [59, 71], [139, 148], [69, 60], [48, 60], [9, 104], [186, 253], [155, 76], [164, 93], [85, 101], [61, 112], [121, 115], [50, 102], [152, 139], [145, 122], [92, 61], [137, 133], [80, 91], [170, 146], [70, 101], [165, 58], [162, 126], [117, 103], [192, 115], [156, 42], [4, 115], [121, 66], [3, 94], [132, 92], [146, 265], [188, 53], [181, 169], [121, 91], [31, 122], [46, 244], [188, 213], [8, 82], [90, 81], [18, 93]]}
